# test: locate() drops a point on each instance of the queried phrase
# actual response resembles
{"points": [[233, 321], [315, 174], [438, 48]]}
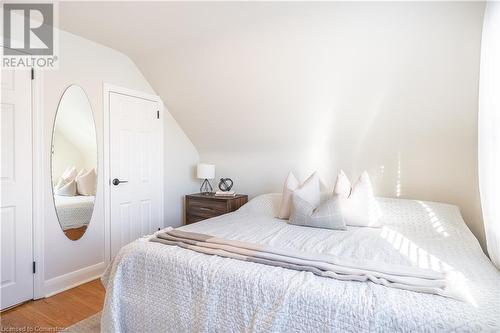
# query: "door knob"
{"points": [[117, 182]]}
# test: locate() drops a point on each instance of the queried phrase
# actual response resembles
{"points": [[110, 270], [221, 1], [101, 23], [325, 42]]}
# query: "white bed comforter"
{"points": [[74, 211], [152, 287]]}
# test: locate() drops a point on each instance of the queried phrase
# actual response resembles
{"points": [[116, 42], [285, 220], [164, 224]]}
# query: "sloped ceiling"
{"points": [[262, 88], [251, 75], [217, 66]]}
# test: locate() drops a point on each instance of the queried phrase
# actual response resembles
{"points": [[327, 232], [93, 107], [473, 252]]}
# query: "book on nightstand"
{"points": [[225, 193]]}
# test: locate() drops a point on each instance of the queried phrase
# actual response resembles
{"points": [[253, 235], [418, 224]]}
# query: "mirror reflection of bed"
{"points": [[74, 213], [74, 162]]}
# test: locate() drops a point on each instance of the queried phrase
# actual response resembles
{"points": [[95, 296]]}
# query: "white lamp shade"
{"points": [[205, 171]]}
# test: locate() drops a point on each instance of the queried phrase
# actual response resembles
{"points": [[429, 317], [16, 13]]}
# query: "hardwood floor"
{"points": [[75, 233], [56, 312]]}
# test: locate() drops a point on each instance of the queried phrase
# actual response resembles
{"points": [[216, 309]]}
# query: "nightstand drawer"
{"points": [[190, 218], [204, 213], [201, 207], [206, 206]]}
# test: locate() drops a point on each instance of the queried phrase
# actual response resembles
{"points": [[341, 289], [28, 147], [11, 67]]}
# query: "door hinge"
{"points": [[158, 114], [32, 73], [34, 267]]}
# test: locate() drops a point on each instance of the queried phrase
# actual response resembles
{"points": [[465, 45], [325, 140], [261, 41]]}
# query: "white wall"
{"points": [[89, 65], [180, 161], [262, 88], [387, 87]]}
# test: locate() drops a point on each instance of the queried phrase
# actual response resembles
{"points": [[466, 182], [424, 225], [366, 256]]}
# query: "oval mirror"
{"points": [[74, 162]]}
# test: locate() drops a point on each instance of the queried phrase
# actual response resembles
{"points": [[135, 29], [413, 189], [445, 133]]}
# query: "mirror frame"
{"points": [[52, 154]]}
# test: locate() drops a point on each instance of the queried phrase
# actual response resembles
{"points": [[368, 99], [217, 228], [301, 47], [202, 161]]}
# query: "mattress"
{"points": [[152, 287], [74, 211]]}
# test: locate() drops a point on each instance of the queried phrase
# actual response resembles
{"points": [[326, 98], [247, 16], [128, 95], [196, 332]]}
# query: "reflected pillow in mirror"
{"points": [[328, 215], [69, 174], [82, 172], [64, 188], [86, 183]]}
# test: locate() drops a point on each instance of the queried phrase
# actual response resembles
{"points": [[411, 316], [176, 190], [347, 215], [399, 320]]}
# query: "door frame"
{"points": [[36, 251], [107, 90], [38, 209], [36, 197]]}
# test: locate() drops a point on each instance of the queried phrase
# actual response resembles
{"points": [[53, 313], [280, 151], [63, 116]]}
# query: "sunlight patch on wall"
{"points": [[398, 179]]}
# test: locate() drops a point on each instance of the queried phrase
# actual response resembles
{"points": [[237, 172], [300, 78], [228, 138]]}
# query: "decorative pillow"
{"points": [[69, 174], [60, 184], [343, 185], [291, 184], [328, 215], [361, 209], [305, 199], [82, 172], [86, 183], [65, 188], [310, 191]]}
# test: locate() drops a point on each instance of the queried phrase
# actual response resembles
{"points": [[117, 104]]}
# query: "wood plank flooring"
{"points": [[56, 312]]}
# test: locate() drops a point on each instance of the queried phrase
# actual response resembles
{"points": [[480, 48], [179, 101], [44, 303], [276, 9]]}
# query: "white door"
{"points": [[135, 162], [16, 182]]}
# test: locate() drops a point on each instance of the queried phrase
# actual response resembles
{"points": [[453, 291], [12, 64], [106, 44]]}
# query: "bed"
{"points": [[74, 211], [152, 287]]}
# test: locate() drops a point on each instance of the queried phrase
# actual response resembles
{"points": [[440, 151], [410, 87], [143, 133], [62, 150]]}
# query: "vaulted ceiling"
{"points": [[262, 88], [257, 74]]}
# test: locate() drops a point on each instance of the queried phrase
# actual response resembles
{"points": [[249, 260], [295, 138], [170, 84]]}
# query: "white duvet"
{"points": [[152, 287], [74, 211]]}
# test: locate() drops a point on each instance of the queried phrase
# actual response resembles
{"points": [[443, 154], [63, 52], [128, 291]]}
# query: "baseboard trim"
{"points": [[73, 279]]}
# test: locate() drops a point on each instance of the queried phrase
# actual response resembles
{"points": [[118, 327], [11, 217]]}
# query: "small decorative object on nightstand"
{"points": [[205, 171], [225, 184], [201, 206]]}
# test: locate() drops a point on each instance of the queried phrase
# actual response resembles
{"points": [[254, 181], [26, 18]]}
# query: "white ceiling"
{"points": [[253, 75], [213, 64]]}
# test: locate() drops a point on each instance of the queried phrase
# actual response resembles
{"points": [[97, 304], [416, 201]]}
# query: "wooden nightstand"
{"points": [[204, 206]]}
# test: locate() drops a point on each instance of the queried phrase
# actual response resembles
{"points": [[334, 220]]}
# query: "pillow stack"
{"points": [[349, 205], [308, 192], [359, 206], [86, 182], [72, 183], [67, 185]]}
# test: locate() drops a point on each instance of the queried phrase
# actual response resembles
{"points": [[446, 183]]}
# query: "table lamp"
{"points": [[205, 171]]}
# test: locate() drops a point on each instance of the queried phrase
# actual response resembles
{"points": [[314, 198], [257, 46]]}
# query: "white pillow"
{"points": [[86, 183], [69, 174], [291, 184], [308, 191], [65, 188], [82, 172], [60, 184], [361, 209], [343, 185], [327, 215]]}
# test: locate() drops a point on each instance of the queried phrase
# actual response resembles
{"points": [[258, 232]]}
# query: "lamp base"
{"points": [[206, 187]]}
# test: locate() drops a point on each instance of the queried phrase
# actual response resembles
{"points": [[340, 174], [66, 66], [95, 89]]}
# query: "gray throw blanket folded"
{"points": [[395, 276]]}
